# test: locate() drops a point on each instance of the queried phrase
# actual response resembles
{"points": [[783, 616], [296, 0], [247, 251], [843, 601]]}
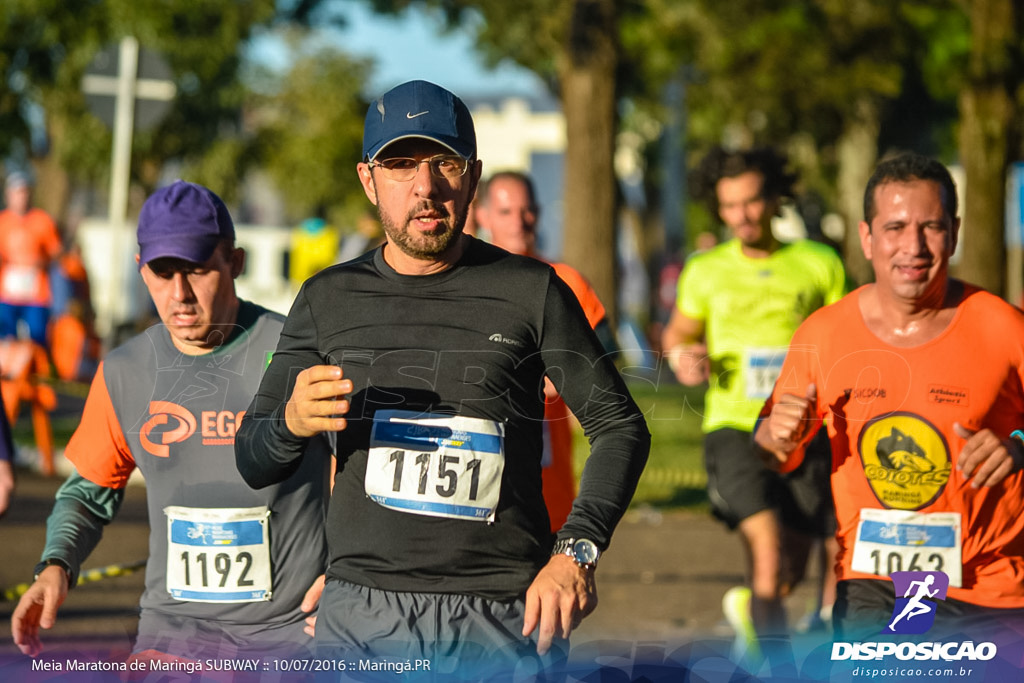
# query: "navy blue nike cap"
{"points": [[419, 109]]}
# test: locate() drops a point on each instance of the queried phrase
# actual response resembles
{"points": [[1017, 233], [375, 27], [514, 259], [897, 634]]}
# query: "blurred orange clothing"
{"points": [[74, 269], [558, 476], [592, 305], [22, 363], [28, 244], [74, 347], [74, 344]]}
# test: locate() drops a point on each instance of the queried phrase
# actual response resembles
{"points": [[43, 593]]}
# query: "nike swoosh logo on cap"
{"points": [[412, 116]]}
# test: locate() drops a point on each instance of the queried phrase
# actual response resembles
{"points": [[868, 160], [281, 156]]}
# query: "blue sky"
{"points": [[413, 46]]}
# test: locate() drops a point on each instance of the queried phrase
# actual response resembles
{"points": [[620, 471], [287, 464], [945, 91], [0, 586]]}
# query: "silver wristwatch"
{"points": [[582, 551]]}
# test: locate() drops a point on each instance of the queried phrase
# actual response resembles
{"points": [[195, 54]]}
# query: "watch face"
{"points": [[584, 551]]}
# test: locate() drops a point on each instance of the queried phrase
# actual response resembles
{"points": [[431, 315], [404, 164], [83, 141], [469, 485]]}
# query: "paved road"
{"points": [[98, 615]]}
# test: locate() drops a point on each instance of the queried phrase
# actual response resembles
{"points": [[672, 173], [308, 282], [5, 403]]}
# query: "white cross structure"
{"points": [[126, 87]]}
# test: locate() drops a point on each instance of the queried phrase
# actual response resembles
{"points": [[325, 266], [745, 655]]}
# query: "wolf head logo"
{"points": [[899, 451]]}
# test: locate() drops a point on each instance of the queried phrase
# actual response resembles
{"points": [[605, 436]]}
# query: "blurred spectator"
{"points": [[314, 246], [29, 242], [705, 240], [368, 235], [74, 345]]}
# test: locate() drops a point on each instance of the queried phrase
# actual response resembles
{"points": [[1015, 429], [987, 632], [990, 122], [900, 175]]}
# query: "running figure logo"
{"points": [[916, 592], [198, 531]]}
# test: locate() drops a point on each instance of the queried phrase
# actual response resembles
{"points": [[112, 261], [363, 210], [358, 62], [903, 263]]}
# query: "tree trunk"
{"points": [[587, 73], [53, 187], [857, 152], [986, 115]]}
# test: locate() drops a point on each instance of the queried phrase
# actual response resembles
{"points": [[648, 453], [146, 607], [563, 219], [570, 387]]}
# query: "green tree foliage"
{"points": [[202, 42], [818, 78], [309, 127], [808, 76], [574, 47], [838, 83], [46, 47]]}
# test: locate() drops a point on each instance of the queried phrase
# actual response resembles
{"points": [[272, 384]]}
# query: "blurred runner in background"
{"points": [[29, 242], [507, 211], [738, 304]]}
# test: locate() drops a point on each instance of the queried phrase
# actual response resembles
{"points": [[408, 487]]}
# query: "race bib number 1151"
{"points": [[436, 465]]}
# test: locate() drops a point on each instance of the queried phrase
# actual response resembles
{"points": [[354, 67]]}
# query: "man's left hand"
{"points": [[6, 485], [986, 458], [310, 601], [559, 598]]}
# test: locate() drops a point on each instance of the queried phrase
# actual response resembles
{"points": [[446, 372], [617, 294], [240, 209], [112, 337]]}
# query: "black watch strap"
{"points": [[51, 561]]}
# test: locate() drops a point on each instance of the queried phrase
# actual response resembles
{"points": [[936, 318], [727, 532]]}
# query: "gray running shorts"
{"points": [[199, 639], [454, 637]]}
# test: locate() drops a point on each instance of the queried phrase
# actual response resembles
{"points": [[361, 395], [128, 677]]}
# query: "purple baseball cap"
{"points": [[419, 109], [182, 220]]}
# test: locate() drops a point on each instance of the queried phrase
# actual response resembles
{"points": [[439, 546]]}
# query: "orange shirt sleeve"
{"points": [[586, 295], [98, 448]]}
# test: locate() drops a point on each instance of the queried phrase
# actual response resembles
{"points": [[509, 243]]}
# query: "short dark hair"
{"points": [[722, 163], [226, 245], [517, 176], [905, 168]]}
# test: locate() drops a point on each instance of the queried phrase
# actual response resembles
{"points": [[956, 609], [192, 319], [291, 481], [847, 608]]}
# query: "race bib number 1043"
{"points": [[436, 465]]}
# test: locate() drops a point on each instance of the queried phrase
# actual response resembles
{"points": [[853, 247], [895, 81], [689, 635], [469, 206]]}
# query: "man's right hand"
{"points": [[38, 609], [791, 421], [690, 363], [558, 599], [317, 402]]}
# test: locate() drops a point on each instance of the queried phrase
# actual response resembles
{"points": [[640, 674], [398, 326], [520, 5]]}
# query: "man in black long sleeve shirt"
{"points": [[426, 359]]}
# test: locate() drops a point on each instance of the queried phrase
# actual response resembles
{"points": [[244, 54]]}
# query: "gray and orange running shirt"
{"points": [[218, 550]]}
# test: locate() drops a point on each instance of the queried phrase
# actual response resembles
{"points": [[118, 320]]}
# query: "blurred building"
{"points": [[526, 134]]}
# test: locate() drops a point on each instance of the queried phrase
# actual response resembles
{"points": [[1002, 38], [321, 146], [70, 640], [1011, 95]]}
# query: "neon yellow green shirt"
{"points": [[751, 308]]}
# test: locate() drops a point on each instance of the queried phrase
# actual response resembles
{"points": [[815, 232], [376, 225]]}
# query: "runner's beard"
{"points": [[422, 245]]}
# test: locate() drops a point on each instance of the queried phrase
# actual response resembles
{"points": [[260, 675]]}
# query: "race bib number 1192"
{"points": [[218, 554]]}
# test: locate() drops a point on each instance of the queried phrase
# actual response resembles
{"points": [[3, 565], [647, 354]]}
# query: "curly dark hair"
{"points": [[722, 163], [905, 168]]}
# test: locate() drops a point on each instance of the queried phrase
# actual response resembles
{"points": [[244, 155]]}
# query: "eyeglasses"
{"points": [[402, 169]]}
